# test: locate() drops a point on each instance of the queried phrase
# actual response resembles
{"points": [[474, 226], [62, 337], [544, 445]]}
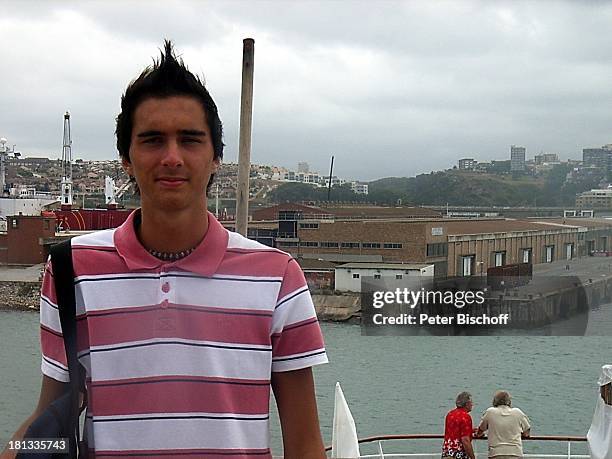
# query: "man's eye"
{"points": [[191, 140], [152, 140]]}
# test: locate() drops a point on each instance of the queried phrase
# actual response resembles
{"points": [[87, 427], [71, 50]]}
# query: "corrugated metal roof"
{"points": [[409, 266]]}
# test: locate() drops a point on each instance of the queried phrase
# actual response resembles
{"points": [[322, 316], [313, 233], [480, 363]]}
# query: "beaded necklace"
{"points": [[171, 256], [164, 256]]}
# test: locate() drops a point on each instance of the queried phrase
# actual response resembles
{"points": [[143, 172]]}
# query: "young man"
{"points": [[182, 325], [458, 429]]}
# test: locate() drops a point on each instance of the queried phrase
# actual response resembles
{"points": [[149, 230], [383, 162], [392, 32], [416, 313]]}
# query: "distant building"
{"points": [[500, 166], [517, 159], [600, 158], [595, 199], [348, 276], [467, 164], [335, 181], [359, 187], [33, 161], [303, 167], [546, 158]]}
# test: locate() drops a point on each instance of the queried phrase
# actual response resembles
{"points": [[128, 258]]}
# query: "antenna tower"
{"points": [[66, 185]]}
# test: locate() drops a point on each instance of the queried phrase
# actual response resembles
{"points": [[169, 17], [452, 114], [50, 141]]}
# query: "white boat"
{"points": [[345, 442]]}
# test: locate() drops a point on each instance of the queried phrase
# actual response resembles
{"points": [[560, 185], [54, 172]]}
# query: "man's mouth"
{"points": [[171, 181]]}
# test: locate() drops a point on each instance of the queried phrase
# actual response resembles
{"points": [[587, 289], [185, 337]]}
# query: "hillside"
{"points": [[453, 187], [468, 188]]}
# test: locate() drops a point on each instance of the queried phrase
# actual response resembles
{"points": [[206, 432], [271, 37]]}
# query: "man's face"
{"points": [[171, 154], [469, 406]]}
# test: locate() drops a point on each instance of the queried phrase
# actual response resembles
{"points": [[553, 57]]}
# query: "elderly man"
{"points": [[458, 429], [506, 426]]}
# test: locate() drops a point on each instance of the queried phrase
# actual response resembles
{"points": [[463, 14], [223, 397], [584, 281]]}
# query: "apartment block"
{"points": [[517, 159], [467, 164], [595, 199]]}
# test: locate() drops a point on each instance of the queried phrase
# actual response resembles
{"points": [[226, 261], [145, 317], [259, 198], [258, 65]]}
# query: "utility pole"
{"points": [[217, 201], [329, 185], [244, 151]]}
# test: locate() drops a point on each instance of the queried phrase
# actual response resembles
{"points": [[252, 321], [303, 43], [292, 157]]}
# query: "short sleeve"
{"points": [[525, 425], [466, 426], [484, 423], [54, 362], [297, 341]]}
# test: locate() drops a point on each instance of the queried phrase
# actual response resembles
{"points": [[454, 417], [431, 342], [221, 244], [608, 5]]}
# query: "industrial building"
{"points": [[456, 247]]}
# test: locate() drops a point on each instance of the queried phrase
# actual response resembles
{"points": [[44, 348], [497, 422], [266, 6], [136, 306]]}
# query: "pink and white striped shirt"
{"points": [[179, 356]]}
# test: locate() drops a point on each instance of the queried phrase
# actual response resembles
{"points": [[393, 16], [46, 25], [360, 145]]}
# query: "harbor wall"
{"points": [[534, 310]]}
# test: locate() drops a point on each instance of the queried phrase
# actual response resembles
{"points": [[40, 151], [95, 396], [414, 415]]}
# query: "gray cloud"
{"points": [[390, 88]]}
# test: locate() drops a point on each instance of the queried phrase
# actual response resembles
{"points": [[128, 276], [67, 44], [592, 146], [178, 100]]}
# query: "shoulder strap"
{"points": [[63, 276]]}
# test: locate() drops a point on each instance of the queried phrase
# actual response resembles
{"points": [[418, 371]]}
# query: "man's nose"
{"points": [[172, 155]]}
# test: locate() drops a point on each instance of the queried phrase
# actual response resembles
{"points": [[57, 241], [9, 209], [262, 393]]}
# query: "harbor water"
{"points": [[392, 384]]}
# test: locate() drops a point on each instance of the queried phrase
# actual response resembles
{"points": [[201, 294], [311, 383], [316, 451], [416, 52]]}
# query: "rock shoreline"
{"points": [[25, 296], [19, 295]]}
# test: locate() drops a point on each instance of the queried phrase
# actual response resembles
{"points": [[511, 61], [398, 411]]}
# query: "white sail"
{"points": [[344, 433], [600, 433]]}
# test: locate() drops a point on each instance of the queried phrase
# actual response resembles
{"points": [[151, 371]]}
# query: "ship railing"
{"points": [[380, 440]]}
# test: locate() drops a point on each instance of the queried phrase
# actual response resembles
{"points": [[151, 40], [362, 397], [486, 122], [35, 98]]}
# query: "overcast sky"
{"points": [[389, 88]]}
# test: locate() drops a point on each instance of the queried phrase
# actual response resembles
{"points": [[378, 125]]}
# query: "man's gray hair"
{"points": [[463, 399], [502, 397]]}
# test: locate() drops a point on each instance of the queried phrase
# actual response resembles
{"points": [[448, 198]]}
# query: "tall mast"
{"points": [[66, 186], [3, 155], [244, 146]]}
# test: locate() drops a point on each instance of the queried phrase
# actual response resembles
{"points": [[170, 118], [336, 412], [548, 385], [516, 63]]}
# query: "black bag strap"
{"points": [[63, 276]]}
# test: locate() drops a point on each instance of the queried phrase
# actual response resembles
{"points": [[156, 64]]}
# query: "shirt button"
{"points": [[164, 304], [166, 287]]}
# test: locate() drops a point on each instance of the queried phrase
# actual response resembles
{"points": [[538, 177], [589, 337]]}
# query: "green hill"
{"points": [[474, 189], [453, 187]]}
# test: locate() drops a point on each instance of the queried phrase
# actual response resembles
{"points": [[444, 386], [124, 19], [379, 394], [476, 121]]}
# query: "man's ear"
{"points": [[127, 167], [216, 165]]}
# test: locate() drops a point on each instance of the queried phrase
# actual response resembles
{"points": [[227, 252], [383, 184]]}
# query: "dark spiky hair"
{"points": [[167, 77]]}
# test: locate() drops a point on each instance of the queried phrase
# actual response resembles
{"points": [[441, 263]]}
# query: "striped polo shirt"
{"points": [[178, 356]]}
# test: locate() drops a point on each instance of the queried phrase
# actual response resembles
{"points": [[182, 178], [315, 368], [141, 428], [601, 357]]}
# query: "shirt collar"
{"points": [[204, 260]]}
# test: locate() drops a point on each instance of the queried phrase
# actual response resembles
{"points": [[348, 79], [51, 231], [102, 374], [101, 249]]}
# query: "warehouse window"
{"points": [[499, 258], [437, 250], [356, 276], [328, 244], [309, 226], [526, 255], [309, 244], [349, 245], [549, 254], [370, 245], [392, 245], [467, 265]]}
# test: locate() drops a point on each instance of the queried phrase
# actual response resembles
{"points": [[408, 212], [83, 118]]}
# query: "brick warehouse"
{"points": [[455, 247]]}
